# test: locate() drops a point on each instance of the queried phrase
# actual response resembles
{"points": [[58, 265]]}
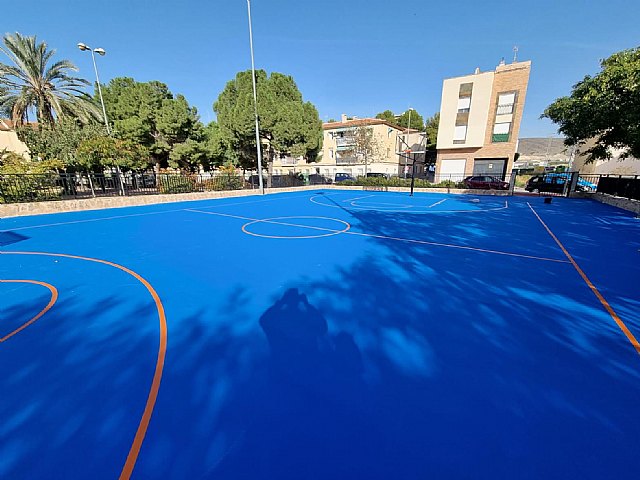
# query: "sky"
{"points": [[357, 57]]}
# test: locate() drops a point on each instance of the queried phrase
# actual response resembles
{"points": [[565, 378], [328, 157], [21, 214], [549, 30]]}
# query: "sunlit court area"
{"points": [[316, 334]]}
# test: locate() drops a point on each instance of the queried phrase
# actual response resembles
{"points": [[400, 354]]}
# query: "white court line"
{"points": [[383, 203], [115, 217], [385, 237], [438, 203], [90, 220], [357, 198], [506, 205], [258, 220]]}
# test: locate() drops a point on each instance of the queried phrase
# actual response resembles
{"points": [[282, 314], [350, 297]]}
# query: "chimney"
{"points": [[477, 71], [502, 63], [343, 117]]}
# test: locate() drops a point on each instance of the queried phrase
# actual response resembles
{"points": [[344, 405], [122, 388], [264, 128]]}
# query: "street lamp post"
{"points": [[100, 51], [255, 101]]}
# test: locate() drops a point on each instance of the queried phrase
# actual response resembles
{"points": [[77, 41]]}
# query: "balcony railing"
{"points": [[344, 142], [347, 161], [288, 162]]}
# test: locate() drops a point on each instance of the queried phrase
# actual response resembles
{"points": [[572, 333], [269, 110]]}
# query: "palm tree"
{"points": [[28, 84]]}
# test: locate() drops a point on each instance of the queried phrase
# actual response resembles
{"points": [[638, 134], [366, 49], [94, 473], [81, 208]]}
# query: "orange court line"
{"points": [[52, 301], [134, 450], [595, 291]]}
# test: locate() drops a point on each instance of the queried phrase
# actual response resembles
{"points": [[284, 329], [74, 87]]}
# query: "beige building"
{"points": [[9, 141], [615, 166], [480, 117], [340, 154]]}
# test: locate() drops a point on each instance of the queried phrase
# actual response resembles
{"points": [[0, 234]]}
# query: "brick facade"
{"points": [[507, 78]]}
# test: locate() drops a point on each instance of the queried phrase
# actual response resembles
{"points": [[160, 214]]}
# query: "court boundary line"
{"points": [[385, 237], [152, 396], [116, 217], [506, 205], [438, 203], [54, 298], [634, 342]]}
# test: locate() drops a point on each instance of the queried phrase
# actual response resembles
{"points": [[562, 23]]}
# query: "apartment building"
{"points": [[341, 154], [480, 116]]}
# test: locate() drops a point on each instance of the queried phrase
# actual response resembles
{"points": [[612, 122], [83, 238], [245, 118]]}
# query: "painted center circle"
{"points": [[296, 227]]}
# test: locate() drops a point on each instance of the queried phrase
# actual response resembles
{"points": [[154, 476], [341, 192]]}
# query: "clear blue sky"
{"points": [[357, 57]]}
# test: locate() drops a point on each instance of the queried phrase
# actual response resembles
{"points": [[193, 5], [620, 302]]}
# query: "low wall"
{"points": [[99, 203], [620, 202]]}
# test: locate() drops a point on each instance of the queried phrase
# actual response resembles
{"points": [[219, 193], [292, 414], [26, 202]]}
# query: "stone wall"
{"points": [[99, 203], [620, 202]]}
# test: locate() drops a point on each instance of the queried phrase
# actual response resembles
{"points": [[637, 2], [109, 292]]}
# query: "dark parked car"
{"points": [[555, 183], [485, 182], [376, 175], [341, 177], [317, 179]]}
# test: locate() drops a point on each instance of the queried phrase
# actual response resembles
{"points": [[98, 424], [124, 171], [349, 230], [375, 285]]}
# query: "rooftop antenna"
{"points": [[515, 53]]}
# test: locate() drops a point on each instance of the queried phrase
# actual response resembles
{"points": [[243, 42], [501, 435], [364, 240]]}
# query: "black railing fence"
{"points": [[15, 188], [620, 186]]}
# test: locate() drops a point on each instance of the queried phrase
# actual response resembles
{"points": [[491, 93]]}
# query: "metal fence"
{"points": [[619, 186], [15, 188]]}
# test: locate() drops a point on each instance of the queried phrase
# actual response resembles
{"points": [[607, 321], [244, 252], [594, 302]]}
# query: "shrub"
{"points": [[223, 182], [29, 188], [177, 184]]}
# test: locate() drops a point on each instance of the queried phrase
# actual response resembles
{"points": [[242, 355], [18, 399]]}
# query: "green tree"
{"points": [[29, 82], [387, 116], [431, 127], [417, 122], [96, 154], [148, 114], [287, 124], [604, 108], [60, 141]]}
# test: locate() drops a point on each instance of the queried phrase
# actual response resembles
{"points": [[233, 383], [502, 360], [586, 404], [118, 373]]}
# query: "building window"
{"points": [[460, 134], [331, 152], [506, 102], [464, 104], [501, 132], [465, 89]]}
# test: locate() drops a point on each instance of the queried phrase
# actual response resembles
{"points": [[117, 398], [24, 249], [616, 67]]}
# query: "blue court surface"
{"points": [[322, 335]]}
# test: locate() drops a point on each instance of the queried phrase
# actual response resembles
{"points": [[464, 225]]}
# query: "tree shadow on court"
{"points": [[74, 385], [409, 362], [605, 242], [469, 363]]}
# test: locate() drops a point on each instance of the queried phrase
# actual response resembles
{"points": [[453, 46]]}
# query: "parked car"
{"points": [[485, 182], [341, 177], [317, 179], [556, 182], [376, 175]]}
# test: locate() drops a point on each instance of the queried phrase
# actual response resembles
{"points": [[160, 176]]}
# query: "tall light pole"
{"points": [[100, 51], [255, 102]]}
